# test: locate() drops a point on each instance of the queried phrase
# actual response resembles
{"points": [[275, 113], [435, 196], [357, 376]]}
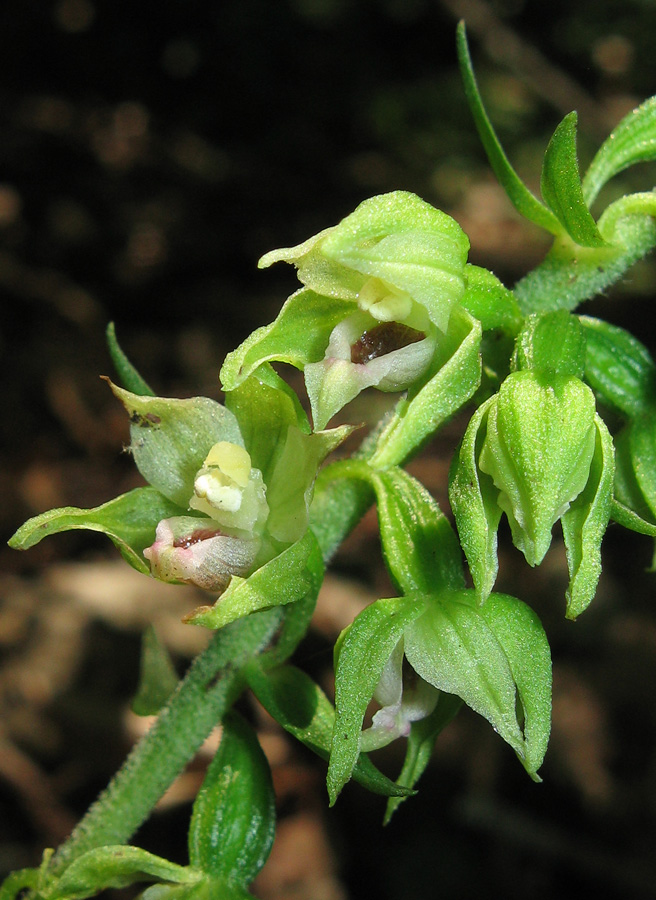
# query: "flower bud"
{"points": [[538, 449], [195, 551], [539, 452]]}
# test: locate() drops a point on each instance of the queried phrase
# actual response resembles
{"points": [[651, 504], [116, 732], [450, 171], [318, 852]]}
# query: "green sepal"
{"points": [[128, 375], [489, 301], [363, 651], [117, 867], [157, 678], [473, 499], [633, 141], [452, 380], [496, 658], [553, 342], [299, 705], [397, 238], [618, 368], [420, 548], [561, 186], [570, 274], [405, 242], [170, 438], [420, 746], [298, 336], [585, 522], [129, 521], [291, 483], [628, 518], [520, 196], [642, 442], [233, 820], [286, 578]]}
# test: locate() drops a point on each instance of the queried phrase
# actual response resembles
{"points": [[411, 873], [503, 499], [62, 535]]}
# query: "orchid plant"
{"points": [[241, 502]]}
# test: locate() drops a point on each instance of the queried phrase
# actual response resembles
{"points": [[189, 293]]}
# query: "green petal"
{"points": [[298, 336]]}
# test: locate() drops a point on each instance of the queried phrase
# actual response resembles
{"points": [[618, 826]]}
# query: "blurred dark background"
{"points": [[149, 154]]}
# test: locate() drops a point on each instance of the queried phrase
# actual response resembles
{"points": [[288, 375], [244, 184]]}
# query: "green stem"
{"points": [[202, 698]]}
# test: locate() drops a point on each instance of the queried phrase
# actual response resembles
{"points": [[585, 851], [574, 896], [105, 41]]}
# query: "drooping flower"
{"points": [[379, 289], [538, 452]]}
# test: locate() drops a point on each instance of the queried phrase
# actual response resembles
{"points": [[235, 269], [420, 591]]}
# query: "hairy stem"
{"points": [[200, 701]]}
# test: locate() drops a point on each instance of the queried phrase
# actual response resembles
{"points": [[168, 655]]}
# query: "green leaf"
{"points": [[561, 186], [297, 615], [365, 649], [585, 522], [158, 678], [127, 373], [420, 745], [129, 521], [286, 578], [521, 635], [171, 438], [451, 382], [474, 501], [233, 820], [491, 656], [618, 368], [301, 708], [117, 867], [421, 551], [487, 300], [298, 336], [520, 196], [633, 141]]}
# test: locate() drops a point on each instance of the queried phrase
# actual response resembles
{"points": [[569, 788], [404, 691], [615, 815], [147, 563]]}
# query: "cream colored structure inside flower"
{"points": [[384, 303], [229, 490]]}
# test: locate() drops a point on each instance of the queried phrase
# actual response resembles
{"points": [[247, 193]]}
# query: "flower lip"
{"points": [[201, 534], [383, 339]]}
